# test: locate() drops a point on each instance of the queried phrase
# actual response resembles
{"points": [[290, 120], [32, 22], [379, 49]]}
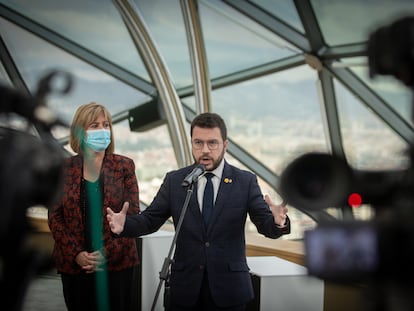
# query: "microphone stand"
{"points": [[167, 261]]}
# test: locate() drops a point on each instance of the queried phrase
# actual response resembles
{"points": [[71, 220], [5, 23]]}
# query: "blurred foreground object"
{"points": [[378, 253], [30, 174]]}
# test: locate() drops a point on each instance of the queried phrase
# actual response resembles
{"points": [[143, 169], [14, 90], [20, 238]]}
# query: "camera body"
{"points": [[349, 250], [343, 251]]}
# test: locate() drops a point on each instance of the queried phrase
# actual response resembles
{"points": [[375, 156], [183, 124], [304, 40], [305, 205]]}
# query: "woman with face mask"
{"points": [[96, 269]]}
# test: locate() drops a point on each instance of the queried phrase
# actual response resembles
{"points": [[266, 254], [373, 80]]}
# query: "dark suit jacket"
{"points": [[220, 249], [65, 218]]}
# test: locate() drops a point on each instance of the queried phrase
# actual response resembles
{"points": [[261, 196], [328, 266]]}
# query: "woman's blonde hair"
{"points": [[84, 116]]}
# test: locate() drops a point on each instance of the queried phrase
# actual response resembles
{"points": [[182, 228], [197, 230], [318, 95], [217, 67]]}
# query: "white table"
{"points": [[283, 285]]}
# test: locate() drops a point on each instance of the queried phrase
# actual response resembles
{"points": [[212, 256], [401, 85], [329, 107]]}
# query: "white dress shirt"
{"points": [[201, 184]]}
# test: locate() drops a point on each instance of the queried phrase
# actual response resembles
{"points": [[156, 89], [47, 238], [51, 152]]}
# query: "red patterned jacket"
{"points": [[65, 218]]}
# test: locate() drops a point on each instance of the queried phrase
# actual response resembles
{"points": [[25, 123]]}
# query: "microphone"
{"points": [[193, 176]]}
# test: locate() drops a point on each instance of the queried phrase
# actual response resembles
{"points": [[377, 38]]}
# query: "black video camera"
{"points": [[381, 249], [349, 250]]}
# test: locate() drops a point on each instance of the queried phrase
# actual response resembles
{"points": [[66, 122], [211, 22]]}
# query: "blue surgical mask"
{"points": [[98, 140]]}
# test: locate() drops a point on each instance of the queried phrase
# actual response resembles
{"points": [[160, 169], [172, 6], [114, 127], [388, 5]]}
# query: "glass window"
{"points": [[166, 26], [36, 58], [94, 24], [234, 42], [152, 153], [285, 10], [300, 222], [275, 117], [368, 142], [391, 90]]}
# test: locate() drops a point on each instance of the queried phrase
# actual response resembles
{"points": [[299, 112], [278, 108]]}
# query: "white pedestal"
{"points": [[284, 285], [154, 250]]}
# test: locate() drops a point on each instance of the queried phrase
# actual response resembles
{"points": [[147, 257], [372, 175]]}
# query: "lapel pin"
{"points": [[228, 180]]}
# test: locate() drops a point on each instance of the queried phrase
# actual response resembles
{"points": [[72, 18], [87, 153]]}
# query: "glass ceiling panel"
{"points": [[166, 26], [35, 57], [234, 42], [368, 142], [284, 10], [275, 117], [393, 91], [296, 216], [344, 22], [152, 153], [93, 24]]}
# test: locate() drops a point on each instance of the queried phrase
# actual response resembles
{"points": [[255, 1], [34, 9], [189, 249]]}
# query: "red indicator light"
{"points": [[354, 199]]}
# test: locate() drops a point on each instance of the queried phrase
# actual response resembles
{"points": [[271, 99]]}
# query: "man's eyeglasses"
{"points": [[199, 144]]}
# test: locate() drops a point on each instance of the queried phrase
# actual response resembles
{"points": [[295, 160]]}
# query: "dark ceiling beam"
{"points": [[248, 74], [377, 105], [271, 22], [319, 51], [310, 24], [259, 71], [11, 69], [77, 50], [343, 51], [330, 114]]}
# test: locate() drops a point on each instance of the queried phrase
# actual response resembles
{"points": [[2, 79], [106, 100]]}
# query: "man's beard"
{"points": [[215, 163]]}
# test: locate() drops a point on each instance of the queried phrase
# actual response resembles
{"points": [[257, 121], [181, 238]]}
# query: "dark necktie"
{"points": [[208, 199]]}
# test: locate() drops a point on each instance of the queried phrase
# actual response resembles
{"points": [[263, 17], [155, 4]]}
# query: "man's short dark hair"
{"points": [[210, 120]]}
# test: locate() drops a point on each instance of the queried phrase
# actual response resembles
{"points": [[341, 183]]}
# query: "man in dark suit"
{"points": [[209, 270]]}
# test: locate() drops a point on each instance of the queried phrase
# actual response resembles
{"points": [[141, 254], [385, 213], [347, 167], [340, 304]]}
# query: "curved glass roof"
{"points": [[288, 77]]}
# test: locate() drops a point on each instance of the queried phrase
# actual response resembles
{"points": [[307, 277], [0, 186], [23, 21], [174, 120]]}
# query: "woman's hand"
{"points": [[90, 262]]}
